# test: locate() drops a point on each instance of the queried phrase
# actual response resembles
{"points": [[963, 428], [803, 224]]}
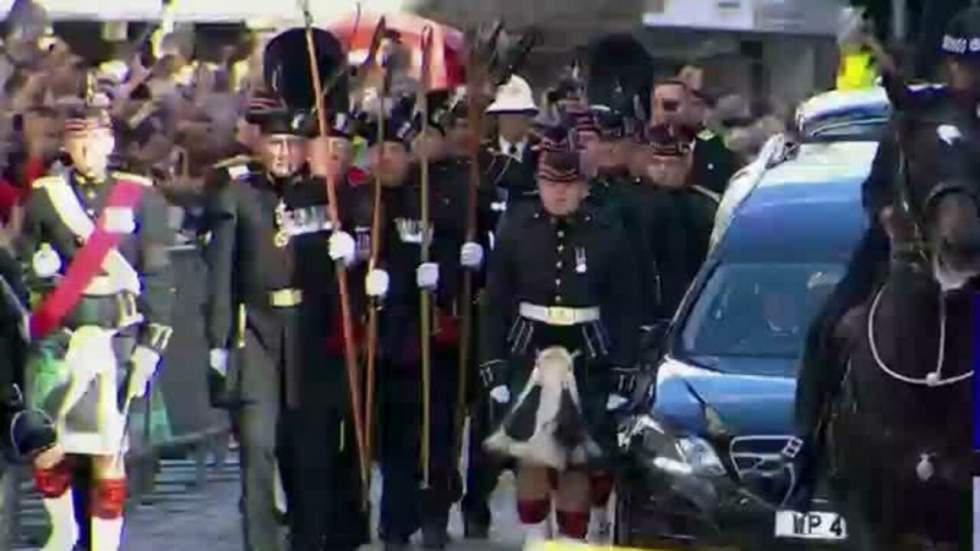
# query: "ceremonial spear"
{"points": [[425, 307], [496, 69], [350, 354]]}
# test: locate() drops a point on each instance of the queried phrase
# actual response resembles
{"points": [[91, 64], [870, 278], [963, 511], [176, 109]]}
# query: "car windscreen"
{"points": [[758, 309]]}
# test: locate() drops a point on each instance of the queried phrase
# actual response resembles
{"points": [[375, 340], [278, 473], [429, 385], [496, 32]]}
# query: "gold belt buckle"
{"points": [[560, 315], [286, 298]]}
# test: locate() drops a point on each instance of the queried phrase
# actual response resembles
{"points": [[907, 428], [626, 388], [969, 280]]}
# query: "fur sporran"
{"points": [[545, 425]]}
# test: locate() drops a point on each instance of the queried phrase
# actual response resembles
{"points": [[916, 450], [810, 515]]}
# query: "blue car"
{"points": [[703, 454]]}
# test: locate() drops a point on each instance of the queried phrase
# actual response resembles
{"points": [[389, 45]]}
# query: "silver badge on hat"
{"points": [[297, 123]]}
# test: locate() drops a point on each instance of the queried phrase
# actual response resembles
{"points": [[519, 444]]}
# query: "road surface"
{"points": [[179, 516]]}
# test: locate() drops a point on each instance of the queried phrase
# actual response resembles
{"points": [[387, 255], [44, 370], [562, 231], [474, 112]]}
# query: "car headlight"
{"points": [[701, 456], [669, 451]]}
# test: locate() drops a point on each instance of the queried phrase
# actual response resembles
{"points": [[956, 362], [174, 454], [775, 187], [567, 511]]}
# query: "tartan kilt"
{"points": [[58, 370]]}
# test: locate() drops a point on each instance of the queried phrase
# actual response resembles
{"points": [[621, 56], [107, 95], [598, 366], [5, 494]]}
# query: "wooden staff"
{"points": [[350, 354], [474, 86], [373, 304], [425, 308], [479, 74]]}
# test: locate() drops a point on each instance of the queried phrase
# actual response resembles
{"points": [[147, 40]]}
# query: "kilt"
{"points": [[592, 379], [75, 376]]}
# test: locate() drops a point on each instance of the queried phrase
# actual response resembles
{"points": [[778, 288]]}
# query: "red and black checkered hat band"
{"points": [[556, 140], [82, 123], [584, 122], [560, 166]]}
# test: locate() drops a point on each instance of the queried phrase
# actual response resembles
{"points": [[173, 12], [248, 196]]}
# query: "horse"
{"points": [[898, 431]]}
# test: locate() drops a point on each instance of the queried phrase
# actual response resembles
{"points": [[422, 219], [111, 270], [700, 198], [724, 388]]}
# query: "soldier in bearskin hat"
{"points": [[318, 448], [271, 255]]}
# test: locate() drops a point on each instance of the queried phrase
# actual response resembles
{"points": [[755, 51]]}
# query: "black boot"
{"points": [[475, 528], [396, 544], [434, 535]]}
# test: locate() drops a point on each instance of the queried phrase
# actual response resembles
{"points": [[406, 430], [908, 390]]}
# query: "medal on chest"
{"points": [[363, 242], [300, 221], [581, 265], [281, 238], [410, 231]]}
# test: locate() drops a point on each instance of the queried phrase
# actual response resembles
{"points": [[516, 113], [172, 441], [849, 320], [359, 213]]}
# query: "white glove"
{"points": [[144, 362], [500, 394], [342, 247], [427, 276], [376, 283], [218, 360], [615, 402], [471, 255]]}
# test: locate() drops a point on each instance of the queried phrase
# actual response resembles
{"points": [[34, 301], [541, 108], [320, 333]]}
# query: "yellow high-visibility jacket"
{"points": [[857, 71]]}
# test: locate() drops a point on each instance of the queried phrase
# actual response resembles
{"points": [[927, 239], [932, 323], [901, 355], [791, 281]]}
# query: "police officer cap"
{"points": [[962, 38]]}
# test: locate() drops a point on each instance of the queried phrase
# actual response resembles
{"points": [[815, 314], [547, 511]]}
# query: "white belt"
{"points": [[559, 315]]}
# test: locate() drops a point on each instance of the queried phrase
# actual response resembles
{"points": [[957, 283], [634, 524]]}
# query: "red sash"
{"points": [[86, 264]]}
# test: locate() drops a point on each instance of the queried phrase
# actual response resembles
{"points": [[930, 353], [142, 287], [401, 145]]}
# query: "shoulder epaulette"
{"points": [[231, 161], [44, 181], [706, 134], [135, 178], [238, 171]]}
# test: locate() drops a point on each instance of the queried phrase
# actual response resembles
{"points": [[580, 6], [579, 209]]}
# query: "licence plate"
{"points": [[810, 526]]}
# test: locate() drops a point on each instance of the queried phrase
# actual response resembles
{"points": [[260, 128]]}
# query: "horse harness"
{"points": [[919, 251]]}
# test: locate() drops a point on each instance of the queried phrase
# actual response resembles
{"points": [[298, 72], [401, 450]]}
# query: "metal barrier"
{"points": [[177, 421], [180, 417]]}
